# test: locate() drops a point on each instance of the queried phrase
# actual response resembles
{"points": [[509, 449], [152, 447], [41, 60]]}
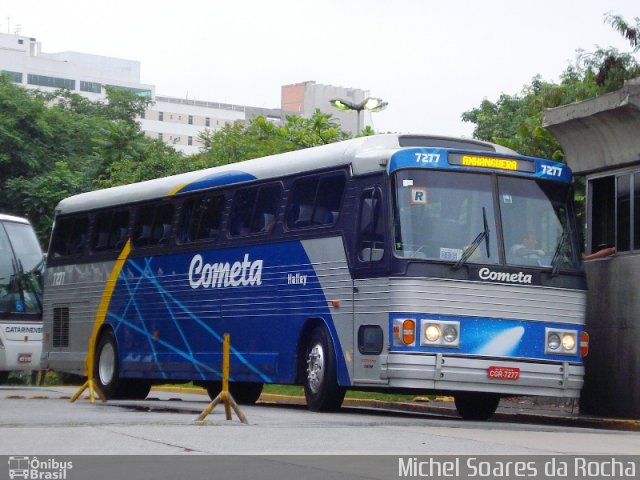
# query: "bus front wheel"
{"points": [[107, 368], [321, 387], [476, 405]]}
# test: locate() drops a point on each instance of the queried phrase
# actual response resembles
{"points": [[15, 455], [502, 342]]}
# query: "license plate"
{"points": [[503, 373], [24, 358]]}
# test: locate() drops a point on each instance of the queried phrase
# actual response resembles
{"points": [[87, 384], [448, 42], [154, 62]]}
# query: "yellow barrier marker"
{"points": [[100, 316], [224, 396]]}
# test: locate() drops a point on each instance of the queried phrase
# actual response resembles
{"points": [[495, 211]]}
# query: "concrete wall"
{"points": [[612, 379]]}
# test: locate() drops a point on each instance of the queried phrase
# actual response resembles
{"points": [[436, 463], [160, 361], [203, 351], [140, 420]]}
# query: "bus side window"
{"points": [[201, 218], [154, 225], [70, 236], [371, 233], [111, 229], [315, 201], [254, 210]]}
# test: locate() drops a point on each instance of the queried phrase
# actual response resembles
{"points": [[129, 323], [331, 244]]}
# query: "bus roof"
{"points": [[363, 154], [10, 218]]}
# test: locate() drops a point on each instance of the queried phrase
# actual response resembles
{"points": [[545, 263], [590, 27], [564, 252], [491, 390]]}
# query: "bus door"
{"points": [[370, 259]]}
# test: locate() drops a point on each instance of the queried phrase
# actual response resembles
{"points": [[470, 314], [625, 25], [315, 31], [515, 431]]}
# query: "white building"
{"points": [[176, 121]]}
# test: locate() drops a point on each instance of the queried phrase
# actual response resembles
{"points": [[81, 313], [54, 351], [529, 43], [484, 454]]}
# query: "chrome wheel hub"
{"points": [[106, 367], [315, 368]]}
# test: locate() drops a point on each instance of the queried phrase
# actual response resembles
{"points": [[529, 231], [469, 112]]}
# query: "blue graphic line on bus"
{"points": [[132, 302], [169, 346], [218, 180], [503, 344], [195, 318]]}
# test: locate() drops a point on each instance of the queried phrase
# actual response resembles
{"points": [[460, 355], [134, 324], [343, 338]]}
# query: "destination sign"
{"points": [[496, 163]]}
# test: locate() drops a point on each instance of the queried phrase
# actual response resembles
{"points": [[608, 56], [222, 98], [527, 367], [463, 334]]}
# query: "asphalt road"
{"points": [[42, 421]]}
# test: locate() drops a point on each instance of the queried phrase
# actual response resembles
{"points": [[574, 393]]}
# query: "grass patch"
{"points": [[298, 391]]}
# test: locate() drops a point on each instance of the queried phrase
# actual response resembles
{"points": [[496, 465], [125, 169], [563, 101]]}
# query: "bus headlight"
{"points": [[561, 342], [432, 333], [553, 341], [442, 333], [568, 342]]}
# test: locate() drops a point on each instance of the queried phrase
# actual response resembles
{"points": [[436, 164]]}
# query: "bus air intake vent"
{"points": [[61, 326]]}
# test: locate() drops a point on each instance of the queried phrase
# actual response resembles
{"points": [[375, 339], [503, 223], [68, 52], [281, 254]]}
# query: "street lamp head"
{"points": [[374, 104], [343, 105]]}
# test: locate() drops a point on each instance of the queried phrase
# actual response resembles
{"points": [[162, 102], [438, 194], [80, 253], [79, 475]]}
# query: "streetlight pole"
{"points": [[371, 104]]}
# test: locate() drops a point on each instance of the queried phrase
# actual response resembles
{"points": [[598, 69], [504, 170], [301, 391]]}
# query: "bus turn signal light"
{"points": [[408, 332]]}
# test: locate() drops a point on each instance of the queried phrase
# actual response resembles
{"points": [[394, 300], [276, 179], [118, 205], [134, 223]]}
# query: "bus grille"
{"points": [[61, 326]]}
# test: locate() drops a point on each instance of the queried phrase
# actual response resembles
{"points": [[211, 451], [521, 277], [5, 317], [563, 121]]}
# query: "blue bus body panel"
{"points": [[170, 313], [493, 337]]}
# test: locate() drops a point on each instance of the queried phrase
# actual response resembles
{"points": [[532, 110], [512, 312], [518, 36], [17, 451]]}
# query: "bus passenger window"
{"points": [[201, 218], [70, 236], [315, 201], [254, 210], [110, 231], [154, 225]]}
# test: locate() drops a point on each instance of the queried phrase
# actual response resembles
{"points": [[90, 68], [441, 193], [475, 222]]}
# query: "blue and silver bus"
{"points": [[390, 262], [21, 277]]}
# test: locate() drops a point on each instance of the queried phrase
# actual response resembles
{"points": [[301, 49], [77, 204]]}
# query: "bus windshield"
{"points": [[21, 264], [535, 222], [450, 216], [439, 214]]}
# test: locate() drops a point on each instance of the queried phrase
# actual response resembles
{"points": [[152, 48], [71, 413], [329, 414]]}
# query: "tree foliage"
{"points": [[53, 145]]}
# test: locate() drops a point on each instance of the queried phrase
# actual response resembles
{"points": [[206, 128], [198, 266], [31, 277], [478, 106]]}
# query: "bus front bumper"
{"points": [[448, 373]]}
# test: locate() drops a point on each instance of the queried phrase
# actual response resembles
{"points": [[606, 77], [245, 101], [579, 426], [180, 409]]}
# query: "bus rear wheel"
{"points": [[107, 367], [321, 387], [476, 405], [244, 393]]}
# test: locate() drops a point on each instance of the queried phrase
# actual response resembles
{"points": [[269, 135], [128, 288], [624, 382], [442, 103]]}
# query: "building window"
{"points": [[15, 77], [141, 92], [615, 212], [189, 140], [159, 136], [53, 82], [190, 119], [207, 122], [161, 116], [92, 87]]}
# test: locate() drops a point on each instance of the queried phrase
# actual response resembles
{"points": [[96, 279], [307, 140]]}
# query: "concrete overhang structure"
{"points": [[599, 134]]}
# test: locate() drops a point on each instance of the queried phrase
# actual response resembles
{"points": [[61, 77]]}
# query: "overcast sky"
{"points": [[431, 60]]}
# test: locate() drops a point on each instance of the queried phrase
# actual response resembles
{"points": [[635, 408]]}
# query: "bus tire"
{"points": [[244, 393], [321, 387], [134, 389], [476, 405], [107, 367]]}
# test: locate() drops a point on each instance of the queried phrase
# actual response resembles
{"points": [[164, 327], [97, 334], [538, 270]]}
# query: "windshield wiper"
{"points": [[555, 262], [484, 235]]}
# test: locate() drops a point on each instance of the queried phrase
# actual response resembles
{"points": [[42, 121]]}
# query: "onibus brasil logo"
{"points": [[38, 469]]}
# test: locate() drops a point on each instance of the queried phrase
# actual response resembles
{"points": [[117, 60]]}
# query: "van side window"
{"points": [[254, 210], [315, 201], [371, 232], [111, 230], [154, 224], [201, 218], [70, 236]]}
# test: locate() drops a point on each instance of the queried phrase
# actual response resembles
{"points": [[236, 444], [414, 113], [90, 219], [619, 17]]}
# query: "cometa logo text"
{"points": [[519, 277], [224, 274]]}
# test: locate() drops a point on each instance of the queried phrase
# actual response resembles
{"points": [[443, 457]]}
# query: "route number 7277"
{"points": [[552, 171], [427, 157]]}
